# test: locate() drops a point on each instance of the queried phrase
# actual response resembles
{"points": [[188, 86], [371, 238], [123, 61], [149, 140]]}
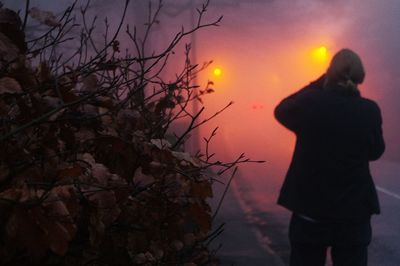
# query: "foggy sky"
{"points": [[370, 27], [262, 47]]}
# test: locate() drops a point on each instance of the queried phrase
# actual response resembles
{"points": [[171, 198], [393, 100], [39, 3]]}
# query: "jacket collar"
{"points": [[340, 90]]}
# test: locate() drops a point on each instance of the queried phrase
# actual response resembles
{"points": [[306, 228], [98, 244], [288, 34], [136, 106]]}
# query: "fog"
{"points": [[265, 50]]}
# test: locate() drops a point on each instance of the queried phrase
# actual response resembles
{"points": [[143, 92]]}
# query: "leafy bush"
{"points": [[91, 171]]}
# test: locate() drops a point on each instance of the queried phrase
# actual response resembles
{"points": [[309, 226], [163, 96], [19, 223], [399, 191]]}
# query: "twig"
{"points": [[224, 194], [26, 14]]}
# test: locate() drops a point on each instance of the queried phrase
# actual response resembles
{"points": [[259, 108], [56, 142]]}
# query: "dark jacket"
{"points": [[338, 133]]}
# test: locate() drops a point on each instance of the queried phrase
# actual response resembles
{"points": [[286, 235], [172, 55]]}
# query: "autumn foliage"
{"points": [[91, 172]]}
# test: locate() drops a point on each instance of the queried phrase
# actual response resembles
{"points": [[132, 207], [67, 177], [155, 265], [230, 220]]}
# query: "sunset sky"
{"points": [[267, 49]]}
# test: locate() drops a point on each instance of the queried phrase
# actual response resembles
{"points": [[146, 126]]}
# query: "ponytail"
{"points": [[345, 70]]}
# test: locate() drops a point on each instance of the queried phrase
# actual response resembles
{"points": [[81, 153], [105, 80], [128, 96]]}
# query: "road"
{"points": [[258, 195], [385, 247]]}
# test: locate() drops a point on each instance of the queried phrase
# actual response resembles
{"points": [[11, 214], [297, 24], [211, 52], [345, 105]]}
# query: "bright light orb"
{"points": [[321, 54], [217, 72]]}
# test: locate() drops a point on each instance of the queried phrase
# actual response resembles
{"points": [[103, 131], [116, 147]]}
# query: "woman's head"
{"points": [[345, 69]]}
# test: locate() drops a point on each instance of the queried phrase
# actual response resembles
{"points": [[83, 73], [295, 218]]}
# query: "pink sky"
{"points": [[264, 49]]}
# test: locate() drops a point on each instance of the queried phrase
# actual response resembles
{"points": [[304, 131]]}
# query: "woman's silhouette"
{"points": [[328, 186]]}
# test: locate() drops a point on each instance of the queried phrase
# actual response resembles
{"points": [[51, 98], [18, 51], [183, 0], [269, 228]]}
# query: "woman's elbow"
{"points": [[284, 118], [377, 152]]}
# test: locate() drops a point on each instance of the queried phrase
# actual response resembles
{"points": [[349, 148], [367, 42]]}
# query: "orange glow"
{"points": [[217, 72], [321, 54], [256, 82]]}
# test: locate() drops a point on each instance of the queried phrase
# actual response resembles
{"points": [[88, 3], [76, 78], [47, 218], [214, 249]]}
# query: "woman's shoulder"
{"points": [[370, 108], [317, 85], [370, 104]]}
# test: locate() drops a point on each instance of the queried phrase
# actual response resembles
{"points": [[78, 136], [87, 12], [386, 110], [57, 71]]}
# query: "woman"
{"points": [[328, 186]]}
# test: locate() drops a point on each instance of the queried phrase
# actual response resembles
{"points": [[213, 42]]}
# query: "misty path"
{"points": [[385, 246], [257, 196]]}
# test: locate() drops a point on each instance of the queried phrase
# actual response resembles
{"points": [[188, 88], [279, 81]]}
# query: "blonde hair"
{"points": [[346, 70]]}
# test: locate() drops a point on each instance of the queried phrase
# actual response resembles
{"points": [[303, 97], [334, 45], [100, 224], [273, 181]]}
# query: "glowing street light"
{"points": [[321, 54], [217, 72]]}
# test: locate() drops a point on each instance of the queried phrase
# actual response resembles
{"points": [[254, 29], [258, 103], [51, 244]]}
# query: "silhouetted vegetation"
{"points": [[92, 172]]}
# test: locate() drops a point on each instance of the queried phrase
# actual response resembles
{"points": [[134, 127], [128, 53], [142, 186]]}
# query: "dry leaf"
{"points": [[84, 134], [52, 102], [4, 171], [189, 239], [101, 173], [96, 229], [8, 16], [190, 264], [9, 85], [141, 178], [71, 172], [11, 195], [201, 190], [10, 24], [90, 83], [177, 245], [58, 237], [184, 156], [44, 17], [140, 258], [89, 109], [87, 157], [161, 143], [106, 119]]}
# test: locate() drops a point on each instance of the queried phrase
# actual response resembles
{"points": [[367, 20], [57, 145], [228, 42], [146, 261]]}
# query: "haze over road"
{"points": [[258, 196], [385, 247]]}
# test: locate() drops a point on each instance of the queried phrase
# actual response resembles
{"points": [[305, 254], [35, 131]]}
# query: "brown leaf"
{"points": [[89, 109], [22, 230], [115, 46], [96, 229], [44, 17], [84, 134], [157, 250], [9, 85], [69, 197], [58, 237], [4, 171], [4, 108], [141, 178], [161, 143], [140, 258], [101, 173], [11, 195], [67, 135], [189, 239], [103, 101], [106, 212], [201, 189], [177, 245], [8, 50], [87, 157], [69, 97], [44, 72], [200, 216], [71, 172], [107, 119], [41, 227], [184, 156], [52, 102], [90, 83], [10, 25], [8, 16]]}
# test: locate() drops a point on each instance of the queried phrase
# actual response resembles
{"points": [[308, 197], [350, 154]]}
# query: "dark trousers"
{"points": [[310, 240]]}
